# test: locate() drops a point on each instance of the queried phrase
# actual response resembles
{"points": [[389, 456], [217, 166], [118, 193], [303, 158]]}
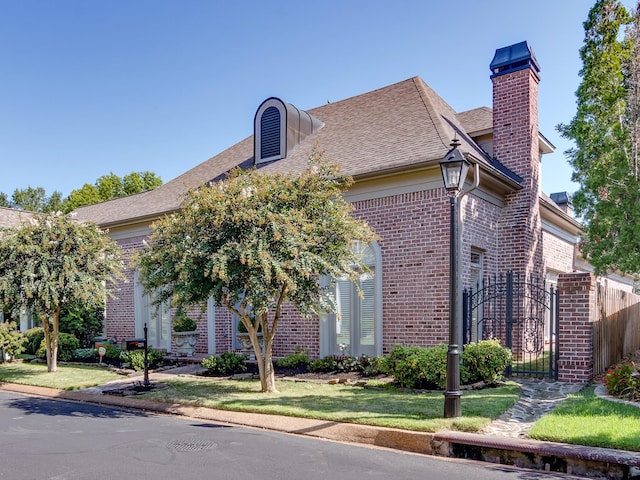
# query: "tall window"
{"points": [[158, 320], [356, 329], [477, 261]]}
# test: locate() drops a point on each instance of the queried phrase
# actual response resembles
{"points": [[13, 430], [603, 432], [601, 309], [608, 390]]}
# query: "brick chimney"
{"points": [[516, 145]]}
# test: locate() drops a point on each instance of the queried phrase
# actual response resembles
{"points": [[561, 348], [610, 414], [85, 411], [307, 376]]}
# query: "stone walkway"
{"points": [[538, 398]]}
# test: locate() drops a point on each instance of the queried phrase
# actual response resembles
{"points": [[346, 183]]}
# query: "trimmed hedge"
{"points": [[426, 368]]}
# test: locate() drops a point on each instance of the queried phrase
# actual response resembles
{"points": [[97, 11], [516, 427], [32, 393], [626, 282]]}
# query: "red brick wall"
{"points": [[516, 145], [577, 306], [558, 253], [120, 311], [413, 230], [414, 243]]}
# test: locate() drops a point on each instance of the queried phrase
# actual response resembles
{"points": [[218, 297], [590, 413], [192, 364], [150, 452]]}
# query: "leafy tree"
{"points": [[36, 200], [606, 134], [254, 242], [137, 182], [107, 187], [111, 186], [31, 199], [55, 203], [86, 195], [53, 263]]}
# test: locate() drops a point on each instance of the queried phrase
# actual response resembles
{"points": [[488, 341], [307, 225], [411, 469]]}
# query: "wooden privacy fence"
{"points": [[616, 327]]}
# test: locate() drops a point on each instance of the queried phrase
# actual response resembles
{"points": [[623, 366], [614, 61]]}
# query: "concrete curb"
{"points": [[573, 459]]}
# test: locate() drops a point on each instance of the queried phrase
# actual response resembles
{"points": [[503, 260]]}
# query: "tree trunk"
{"points": [[51, 341], [265, 362]]}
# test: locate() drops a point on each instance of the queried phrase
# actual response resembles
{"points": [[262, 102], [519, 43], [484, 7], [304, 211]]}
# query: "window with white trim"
{"points": [[158, 320], [356, 328]]}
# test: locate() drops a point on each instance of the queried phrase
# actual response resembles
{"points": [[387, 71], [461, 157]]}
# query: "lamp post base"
{"points": [[452, 393], [452, 404]]}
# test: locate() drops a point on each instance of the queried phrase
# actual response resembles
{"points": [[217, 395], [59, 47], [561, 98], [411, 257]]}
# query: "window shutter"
{"points": [[270, 133]]}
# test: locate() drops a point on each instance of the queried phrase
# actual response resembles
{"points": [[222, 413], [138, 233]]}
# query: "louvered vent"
{"points": [[278, 127], [270, 133]]}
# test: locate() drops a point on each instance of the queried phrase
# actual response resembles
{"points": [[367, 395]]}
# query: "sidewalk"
{"points": [[503, 441]]}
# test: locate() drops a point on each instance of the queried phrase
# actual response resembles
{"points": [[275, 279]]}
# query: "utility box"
{"points": [[133, 344]]}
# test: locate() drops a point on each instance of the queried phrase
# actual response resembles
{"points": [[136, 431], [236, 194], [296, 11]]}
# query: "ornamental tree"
{"points": [[253, 242], [52, 263]]}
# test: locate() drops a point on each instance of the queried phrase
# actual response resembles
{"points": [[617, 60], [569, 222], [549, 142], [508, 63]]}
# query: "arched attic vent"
{"points": [[278, 127]]}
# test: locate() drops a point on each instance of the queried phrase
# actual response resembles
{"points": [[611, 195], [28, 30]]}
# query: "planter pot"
{"points": [[185, 343], [245, 344]]}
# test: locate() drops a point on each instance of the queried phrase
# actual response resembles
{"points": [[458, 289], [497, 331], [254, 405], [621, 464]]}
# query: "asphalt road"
{"points": [[59, 440]]}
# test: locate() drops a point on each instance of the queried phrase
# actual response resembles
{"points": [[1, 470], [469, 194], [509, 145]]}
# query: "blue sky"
{"points": [[91, 87]]}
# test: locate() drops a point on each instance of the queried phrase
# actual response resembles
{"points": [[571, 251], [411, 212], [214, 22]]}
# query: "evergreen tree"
{"points": [[604, 130]]}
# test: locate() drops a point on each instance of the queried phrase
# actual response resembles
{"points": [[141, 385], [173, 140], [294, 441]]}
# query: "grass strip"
{"points": [[68, 377], [385, 407], [585, 419]]}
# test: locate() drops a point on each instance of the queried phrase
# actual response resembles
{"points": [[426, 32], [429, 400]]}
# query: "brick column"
{"points": [[577, 305]]}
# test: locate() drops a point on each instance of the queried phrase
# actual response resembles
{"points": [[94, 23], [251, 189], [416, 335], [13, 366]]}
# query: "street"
{"points": [[50, 439]]}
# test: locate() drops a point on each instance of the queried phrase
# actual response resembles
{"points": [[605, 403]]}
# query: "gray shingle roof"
{"points": [[399, 126], [477, 120], [13, 218]]}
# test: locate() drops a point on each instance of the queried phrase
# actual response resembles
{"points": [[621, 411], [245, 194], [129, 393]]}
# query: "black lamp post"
{"points": [[454, 172]]}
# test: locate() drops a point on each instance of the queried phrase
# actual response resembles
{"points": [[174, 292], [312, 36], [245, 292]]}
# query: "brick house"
{"points": [[390, 141]]}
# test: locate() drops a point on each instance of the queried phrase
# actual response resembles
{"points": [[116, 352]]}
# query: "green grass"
{"points": [[66, 378], [585, 419], [540, 364], [383, 407]]}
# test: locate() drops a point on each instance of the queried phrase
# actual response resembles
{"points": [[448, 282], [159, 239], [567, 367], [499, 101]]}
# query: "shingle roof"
{"points": [[399, 126], [13, 218], [477, 120]]}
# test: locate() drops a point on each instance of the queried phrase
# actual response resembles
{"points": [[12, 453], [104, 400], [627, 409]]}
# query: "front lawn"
{"points": [[68, 377], [585, 419], [383, 406], [386, 407]]}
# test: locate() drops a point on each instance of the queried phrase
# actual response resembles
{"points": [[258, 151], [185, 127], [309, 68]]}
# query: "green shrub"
{"points": [[623, 381], [417, 367], [341, 364], [326, 364], [372, 366], [297, 359], [85, 323], [135, 358], [67, 345], [33, 339], [84, 354], [485, 361], [112, 352], [183, 323], [227, 363], [11, 340]]}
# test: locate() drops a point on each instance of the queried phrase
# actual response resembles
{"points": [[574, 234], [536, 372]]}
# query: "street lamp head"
{"points": [[454, 169]]}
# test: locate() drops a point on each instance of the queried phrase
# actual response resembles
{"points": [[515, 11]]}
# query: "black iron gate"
{"points": [[520, 312]]}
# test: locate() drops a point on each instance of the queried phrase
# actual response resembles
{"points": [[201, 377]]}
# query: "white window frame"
{"points": [[327, 331]]}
